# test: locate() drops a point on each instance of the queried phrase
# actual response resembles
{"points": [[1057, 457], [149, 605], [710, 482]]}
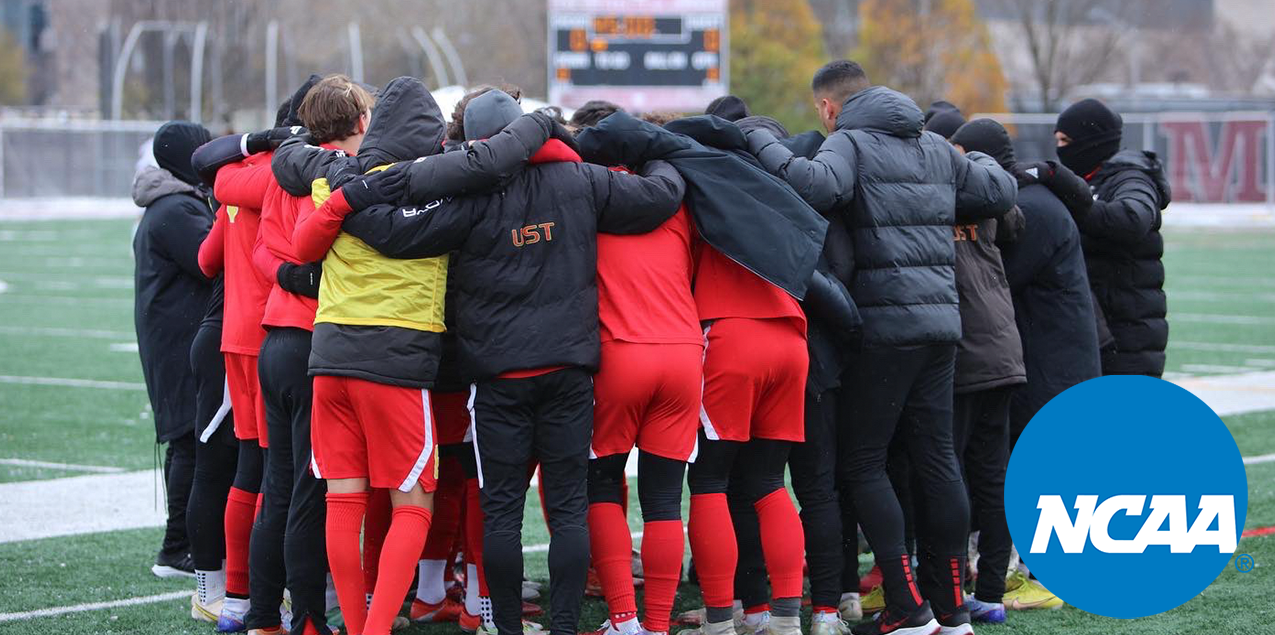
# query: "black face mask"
{"points": [[1083, 157]]}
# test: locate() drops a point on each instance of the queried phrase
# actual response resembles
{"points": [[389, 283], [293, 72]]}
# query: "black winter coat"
{"points": [[1052, 303], [1123, 248], [170, 294], [524, 275], [899, 190], [990, 353], [739, 209]]}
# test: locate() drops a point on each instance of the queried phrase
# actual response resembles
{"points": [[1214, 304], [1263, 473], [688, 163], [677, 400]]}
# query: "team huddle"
{"points": [[395, 323]]}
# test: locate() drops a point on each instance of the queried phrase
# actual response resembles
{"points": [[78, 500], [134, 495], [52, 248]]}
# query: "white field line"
{"points": [[1234, 394], [1215, 369], [63, 332], [4, 286], [25, 298], [1212, 347], [94, 606], [1214, 318], [1254, 460], [70, 467], [71, 383], [1222, 281], [1216, 296]]}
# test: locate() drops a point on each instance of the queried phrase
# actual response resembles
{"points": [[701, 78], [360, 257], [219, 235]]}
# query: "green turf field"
{"points": [[66, 314]]}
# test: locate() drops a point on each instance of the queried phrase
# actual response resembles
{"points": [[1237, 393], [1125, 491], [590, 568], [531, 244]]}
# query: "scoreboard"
{"points": [[642, 54]]}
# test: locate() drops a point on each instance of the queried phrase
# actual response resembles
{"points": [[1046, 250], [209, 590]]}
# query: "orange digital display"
{"points": [[629, 26]]}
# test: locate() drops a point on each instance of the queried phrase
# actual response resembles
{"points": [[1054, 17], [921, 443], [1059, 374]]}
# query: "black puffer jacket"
{"points": [[899, 189], [1052, 303], [1123, 248], [524, 273]]}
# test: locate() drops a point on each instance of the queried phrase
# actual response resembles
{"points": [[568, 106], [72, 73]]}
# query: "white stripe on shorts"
{"points": [[473, 432], [427, 451], [219, 416], [709, 430], [314, 466]]}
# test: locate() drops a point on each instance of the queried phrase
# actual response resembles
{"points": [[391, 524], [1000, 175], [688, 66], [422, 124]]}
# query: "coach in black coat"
{"points": [[171, 299]]}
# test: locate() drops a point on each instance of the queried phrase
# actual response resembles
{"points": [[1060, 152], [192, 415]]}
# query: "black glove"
{"points": [[387, 186], [300, 279], [294, 103], [270, 139], [1072, 190]]}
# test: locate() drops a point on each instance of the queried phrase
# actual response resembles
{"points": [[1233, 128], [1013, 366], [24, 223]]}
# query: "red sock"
{"points": [[611, 545], [714, 548], [474, 532], [377, 523], [447, 500], [240, 512], [403, 544], [343, 524], [662, 547], [783, 543]]}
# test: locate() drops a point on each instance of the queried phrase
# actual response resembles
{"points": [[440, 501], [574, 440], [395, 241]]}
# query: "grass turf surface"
{"points": [[66, 312]]}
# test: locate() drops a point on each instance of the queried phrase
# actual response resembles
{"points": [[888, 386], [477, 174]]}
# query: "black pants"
{"points": [[267, 572], [287, 387], [907, 392], [981, 436], [551, 417], [813, 465], [215, 458], [179, 476]]}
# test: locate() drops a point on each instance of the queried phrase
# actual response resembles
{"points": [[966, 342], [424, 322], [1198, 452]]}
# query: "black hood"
{"points": [[880, 109], [728, 107], [622, 139], [710, 130], [989, 137], [174, 143], [762, 122], [406, 123], [1145, 162]]}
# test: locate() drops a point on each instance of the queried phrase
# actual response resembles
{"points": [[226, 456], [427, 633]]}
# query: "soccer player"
{"points": [[527, 327]]}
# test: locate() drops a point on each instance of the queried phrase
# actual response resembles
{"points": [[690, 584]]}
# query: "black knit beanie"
{"points": [[989, 137], [1095, 132], [728, 107]]}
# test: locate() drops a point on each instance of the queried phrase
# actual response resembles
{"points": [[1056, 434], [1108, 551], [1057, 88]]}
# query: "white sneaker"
{"points": [[784, 625], [828, 624], [528, 628], [851, 607]]}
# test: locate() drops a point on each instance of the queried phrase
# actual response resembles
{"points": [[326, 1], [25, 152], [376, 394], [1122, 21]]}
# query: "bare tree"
{"points": [[1068, 42]]}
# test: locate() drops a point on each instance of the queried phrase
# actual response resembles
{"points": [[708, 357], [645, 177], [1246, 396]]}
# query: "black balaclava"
{"points": [[728, 107], [945, 122], [989, 137], [489, 113], [174, 142], [1095, 132]]}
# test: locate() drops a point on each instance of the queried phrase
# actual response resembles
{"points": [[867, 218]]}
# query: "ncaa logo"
{"points": [[1126, 478]]}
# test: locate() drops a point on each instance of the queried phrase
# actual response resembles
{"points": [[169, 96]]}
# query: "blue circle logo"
{"points": [[1126, 476]]}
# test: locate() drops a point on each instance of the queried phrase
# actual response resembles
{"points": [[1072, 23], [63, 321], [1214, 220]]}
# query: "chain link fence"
{"points": [[47, 159]]}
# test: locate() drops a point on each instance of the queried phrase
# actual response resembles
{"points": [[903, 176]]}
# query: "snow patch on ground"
{"points": [[1220, 215]]}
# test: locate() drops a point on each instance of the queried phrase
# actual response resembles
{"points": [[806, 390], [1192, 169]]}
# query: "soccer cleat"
{"points": [[851, 607], [232, 615], [529, 593], [919, 622], [1024, 594], [607, 628], [955, 624], [469, 622], [874, 601], [531, 610], [446, 611], [204, 612], [870, 581], [399, 623], [985, 612], [273, 630], [828, 624], [171, 566], [528, 628]]}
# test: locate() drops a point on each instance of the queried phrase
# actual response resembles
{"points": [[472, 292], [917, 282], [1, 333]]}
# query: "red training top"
{"points": [[274, 247], [644, 285], [241, 188], [725, 289]]}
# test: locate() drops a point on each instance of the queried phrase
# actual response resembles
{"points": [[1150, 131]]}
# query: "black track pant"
{"points": [[179, 476], [849, 516], [907, 392], [215, 459], [551, 417], [981, 436], [813, 465], [286, 385], [267, 572]]}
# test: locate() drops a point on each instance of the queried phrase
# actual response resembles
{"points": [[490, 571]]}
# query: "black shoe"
{"points": [[173, 566], [919, 622], [957, 623]]}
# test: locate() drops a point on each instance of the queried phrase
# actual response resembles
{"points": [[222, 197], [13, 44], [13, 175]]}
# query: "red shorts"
{"points": [[647, 395], [362, 429], [451, 416], [754, 380], [245, 397]]}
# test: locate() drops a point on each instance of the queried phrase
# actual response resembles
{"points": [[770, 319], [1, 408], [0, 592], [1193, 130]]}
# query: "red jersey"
{"points": [[274, 247], [725, 289], [644, 285], [241, 187]]}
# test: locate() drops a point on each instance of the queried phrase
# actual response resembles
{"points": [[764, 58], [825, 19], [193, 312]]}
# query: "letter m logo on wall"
{"points": [[1215, 161]]}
